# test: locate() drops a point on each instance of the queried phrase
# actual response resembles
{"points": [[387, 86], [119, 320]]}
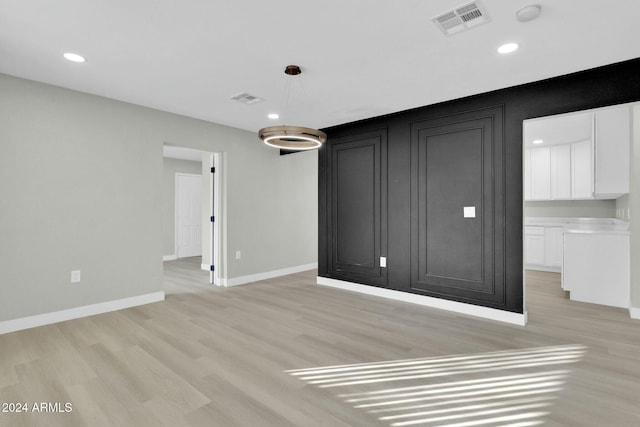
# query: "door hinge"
{"points": [[213, 170], [213, 268], [213, 218]]}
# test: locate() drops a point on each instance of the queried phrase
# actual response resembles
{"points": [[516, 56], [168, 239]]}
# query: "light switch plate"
{"points": [[469, 211], [383, 261]]}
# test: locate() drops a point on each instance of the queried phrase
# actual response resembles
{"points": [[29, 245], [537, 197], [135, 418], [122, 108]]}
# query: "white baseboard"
{"points": [[77, 312], [241, 280], [458, 307], [634, 312], [169, 258], [205, 267]]}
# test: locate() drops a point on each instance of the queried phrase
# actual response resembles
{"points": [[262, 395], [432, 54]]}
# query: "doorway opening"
{"points": [[192, 213], [576, 204]]}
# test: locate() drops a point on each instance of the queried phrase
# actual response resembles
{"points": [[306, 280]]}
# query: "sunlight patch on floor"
{"points": [[515, 388]]}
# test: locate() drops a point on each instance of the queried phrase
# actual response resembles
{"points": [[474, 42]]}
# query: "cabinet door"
{"points": [[540, 173], [561, 172], [534, 248], [553, 246], [581, 170], [612, 145]]}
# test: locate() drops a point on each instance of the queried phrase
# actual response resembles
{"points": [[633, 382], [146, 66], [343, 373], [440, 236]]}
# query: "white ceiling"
{"points": [[360, 58], [560, 129]]}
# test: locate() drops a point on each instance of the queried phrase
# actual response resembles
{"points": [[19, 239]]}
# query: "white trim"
{"points": [[634, 312], [77, 312], [458, 307], [216, 180], [169, 258], [213, 198], [235, 281]]}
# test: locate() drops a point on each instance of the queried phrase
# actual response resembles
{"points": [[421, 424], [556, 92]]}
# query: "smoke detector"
{"points": [[528, 13], [462, 18]]}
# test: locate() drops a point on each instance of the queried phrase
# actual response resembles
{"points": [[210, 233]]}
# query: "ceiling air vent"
{"points": [[461, 18], [246, 98]]}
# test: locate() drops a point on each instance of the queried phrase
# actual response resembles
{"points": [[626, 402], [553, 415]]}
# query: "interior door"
{"points": [[188, 215]]}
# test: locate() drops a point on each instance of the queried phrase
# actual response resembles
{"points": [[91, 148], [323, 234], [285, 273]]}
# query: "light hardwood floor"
{"points": [[286, 352]]}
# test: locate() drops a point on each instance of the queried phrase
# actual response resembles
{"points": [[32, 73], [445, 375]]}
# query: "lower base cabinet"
{"points": [[543, 248], [596, 268]]}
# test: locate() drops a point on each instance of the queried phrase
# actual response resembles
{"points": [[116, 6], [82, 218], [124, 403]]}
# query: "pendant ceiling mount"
{"points": [[292, 70], [292, 137]]}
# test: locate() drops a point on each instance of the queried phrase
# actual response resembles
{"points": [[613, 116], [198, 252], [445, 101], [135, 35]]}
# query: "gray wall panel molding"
{"points": [[455, 164], [357, 206]]}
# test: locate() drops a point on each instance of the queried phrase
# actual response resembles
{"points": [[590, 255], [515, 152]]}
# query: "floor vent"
{"points": [[246, 98], [461, 18]]}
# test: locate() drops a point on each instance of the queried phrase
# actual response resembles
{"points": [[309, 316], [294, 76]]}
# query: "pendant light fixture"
{"points": [[292, 137]]}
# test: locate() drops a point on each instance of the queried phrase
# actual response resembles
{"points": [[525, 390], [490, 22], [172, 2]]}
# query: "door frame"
{"points": [[216, 207]]}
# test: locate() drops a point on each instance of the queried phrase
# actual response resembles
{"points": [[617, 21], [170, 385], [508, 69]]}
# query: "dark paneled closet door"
{"points": [[357, 196], [457, 206]]}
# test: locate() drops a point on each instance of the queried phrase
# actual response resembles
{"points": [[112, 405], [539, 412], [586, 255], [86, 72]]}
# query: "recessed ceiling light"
{"points": [[273, 116], [538, 141], [74, 57], [508, 48]]}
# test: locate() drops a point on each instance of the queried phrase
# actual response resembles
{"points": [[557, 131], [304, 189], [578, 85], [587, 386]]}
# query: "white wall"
{"points": [[81, 185], [571, 209], [623, 211]]}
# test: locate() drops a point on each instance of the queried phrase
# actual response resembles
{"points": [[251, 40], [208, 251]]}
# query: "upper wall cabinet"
{"points": [[578, 156], [612, 145]]}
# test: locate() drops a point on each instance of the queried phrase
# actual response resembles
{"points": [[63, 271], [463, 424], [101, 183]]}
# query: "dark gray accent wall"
{"points": [[358, 206], [395, 186], [456, 163]]}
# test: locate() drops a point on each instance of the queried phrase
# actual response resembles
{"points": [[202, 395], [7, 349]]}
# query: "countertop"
{"points": [[582, 225]]}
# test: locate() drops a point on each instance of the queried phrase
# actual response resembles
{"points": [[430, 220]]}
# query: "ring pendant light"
{"points": [[292, 137]]}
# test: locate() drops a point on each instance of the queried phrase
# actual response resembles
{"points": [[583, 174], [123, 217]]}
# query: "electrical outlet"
{"points": [[238, 255], [75, 276]]}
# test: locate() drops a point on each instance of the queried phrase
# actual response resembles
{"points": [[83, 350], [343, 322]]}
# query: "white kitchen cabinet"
{"points": [[560, 172], [581, 170], [585, 155], [612, 146], [596, 267], [534, 246], [553, 240], [540, 177], [543, 247]]}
